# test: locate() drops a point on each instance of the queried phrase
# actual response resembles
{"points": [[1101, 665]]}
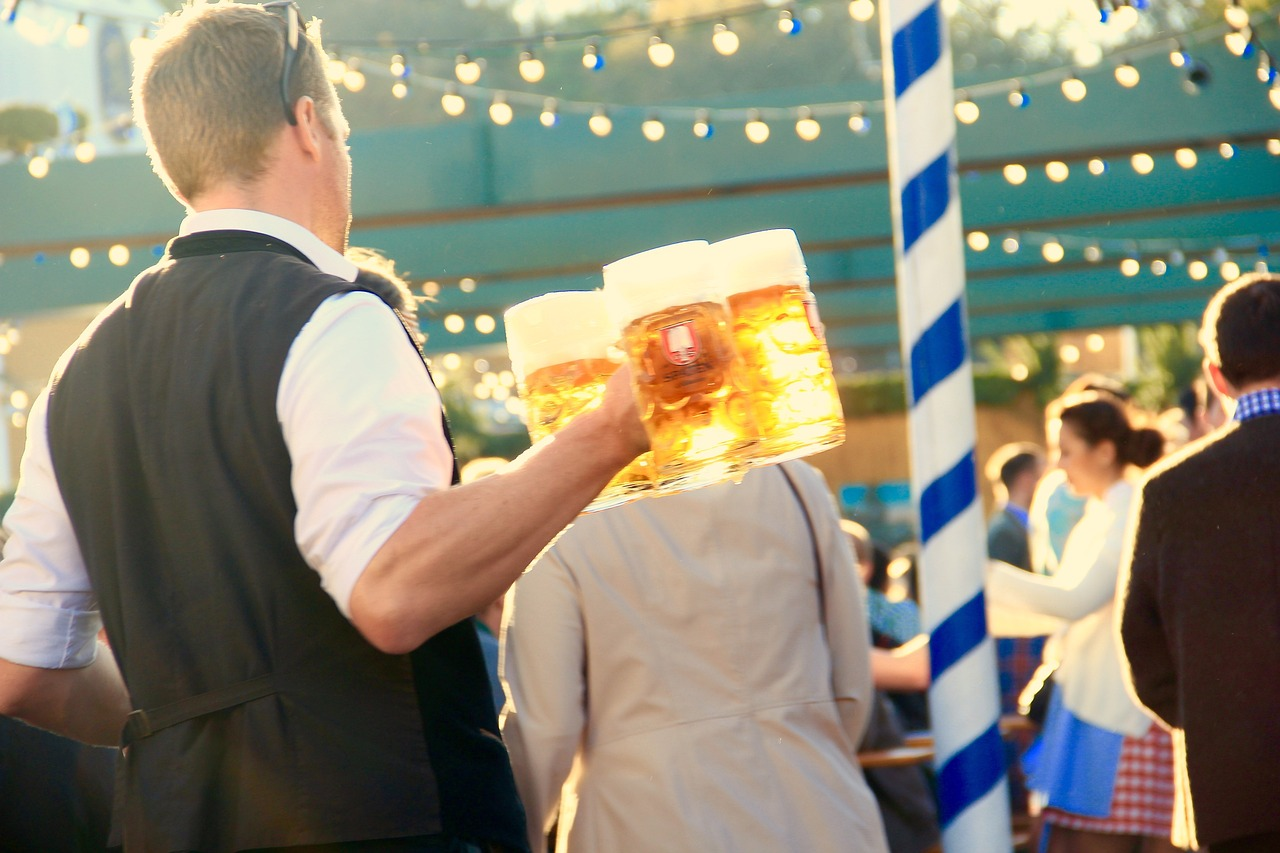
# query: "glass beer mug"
{"points": [[559, 345], [787, 369], [676, 333]]}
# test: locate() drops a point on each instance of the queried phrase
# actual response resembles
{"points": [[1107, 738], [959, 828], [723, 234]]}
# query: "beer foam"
{"points": [[642, 284], [557, 328], [760, 259]]}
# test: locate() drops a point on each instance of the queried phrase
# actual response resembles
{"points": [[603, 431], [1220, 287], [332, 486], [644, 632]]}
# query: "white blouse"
{"points": [[1078, 604]]}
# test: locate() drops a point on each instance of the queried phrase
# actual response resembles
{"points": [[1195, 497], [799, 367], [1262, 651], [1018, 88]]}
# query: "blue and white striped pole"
{"points": [[964, 698]]}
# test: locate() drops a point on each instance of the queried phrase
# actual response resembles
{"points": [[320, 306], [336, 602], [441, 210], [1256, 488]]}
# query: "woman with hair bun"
{"points": [[1103, 768]]}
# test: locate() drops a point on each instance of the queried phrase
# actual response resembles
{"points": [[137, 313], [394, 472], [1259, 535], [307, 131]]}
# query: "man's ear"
{"points": [[1219, 382], [309, 129]]}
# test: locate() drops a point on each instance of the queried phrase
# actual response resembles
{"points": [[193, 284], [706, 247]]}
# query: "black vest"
{"points": [[170, 458]]}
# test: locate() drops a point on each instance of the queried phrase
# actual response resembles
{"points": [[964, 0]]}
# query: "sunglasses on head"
{"points": [[292, 41]]}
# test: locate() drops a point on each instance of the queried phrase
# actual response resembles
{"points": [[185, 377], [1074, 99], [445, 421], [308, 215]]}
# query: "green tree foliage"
{"points": [[24, 127]]}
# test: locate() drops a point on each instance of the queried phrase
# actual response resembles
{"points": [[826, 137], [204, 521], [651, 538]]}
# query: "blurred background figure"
{"points": [[1054, 509], [488, 621], [1013, 472], [1104, 768], [692, 673], [905, 794]]}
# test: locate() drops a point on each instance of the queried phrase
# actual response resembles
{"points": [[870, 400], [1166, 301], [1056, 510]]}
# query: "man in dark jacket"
{"points": [[1201, 617]]}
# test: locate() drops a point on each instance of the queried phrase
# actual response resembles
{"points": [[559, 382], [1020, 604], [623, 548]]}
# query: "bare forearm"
{"points": [[462, 547], [88, 704], [905, 668]]}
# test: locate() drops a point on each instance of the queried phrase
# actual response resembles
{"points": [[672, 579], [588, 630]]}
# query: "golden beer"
{"points": [[684, 374], [556, 394], [786, 367], [787, 372], [559, 345]]}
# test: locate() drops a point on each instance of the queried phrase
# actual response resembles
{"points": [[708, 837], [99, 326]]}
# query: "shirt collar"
{"points": [[1018, 513], [1257, 403], [232, 219]]}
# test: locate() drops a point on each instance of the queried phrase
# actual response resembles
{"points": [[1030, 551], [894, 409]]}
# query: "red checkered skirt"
{"points": [[1142, 800]]}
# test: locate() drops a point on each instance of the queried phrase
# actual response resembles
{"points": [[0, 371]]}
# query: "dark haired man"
{"points": [[1200, 622]]}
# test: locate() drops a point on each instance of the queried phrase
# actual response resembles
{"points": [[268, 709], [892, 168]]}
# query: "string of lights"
{"points": [[456, 95]]}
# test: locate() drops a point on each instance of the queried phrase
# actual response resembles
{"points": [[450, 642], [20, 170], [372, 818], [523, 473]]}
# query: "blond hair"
{"points": [[207, 93]]}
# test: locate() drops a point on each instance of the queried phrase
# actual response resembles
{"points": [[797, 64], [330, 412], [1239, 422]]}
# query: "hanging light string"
{"points": [[10, 9], [426, 44], [456, 95]]}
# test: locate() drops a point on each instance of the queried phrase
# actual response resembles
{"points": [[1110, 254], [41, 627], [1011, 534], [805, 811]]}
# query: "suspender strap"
{"points": [[143, 723]]}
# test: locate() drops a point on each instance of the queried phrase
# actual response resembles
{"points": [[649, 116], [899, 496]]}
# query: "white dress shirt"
{"points": [[362, 424]]}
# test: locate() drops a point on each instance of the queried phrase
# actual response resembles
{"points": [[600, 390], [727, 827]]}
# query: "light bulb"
{"points": [[397, 66], [978, 241], [1197, 269], [702, 126], [1273, 147], [1159, 267], [354, 80], [1130, 267], [531, 68], [661, 54], [859, 123], [600, 123], [335, 69], [1185, 157], [1236, 16], [1124, 18], [485, 324], [79, 257], [1019, 99], [78, 33], [500, 111], [452, 103], [1229, 271], [399, 90], [86, 151], [1052, 252], [967, 111], [467, 70], [1015, 173], [592, 58], [1142, 163], [1237, 41], [118, 254], [549, 116], [1226, 149], [1178, 57], [1127, 75], [454, 323], [653, 129], [1274, 94], [724, 40], [1093, 253], [141, 46], [757, 131], [1097, 166], [1009, 244], [38, 166], [788, 24], [807, 128], [1073, 88], [862, 10], [1057, 171]]}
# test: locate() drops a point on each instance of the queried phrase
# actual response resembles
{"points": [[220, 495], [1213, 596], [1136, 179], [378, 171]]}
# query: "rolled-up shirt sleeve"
{"points": [[48, 611], [362, 422]]}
